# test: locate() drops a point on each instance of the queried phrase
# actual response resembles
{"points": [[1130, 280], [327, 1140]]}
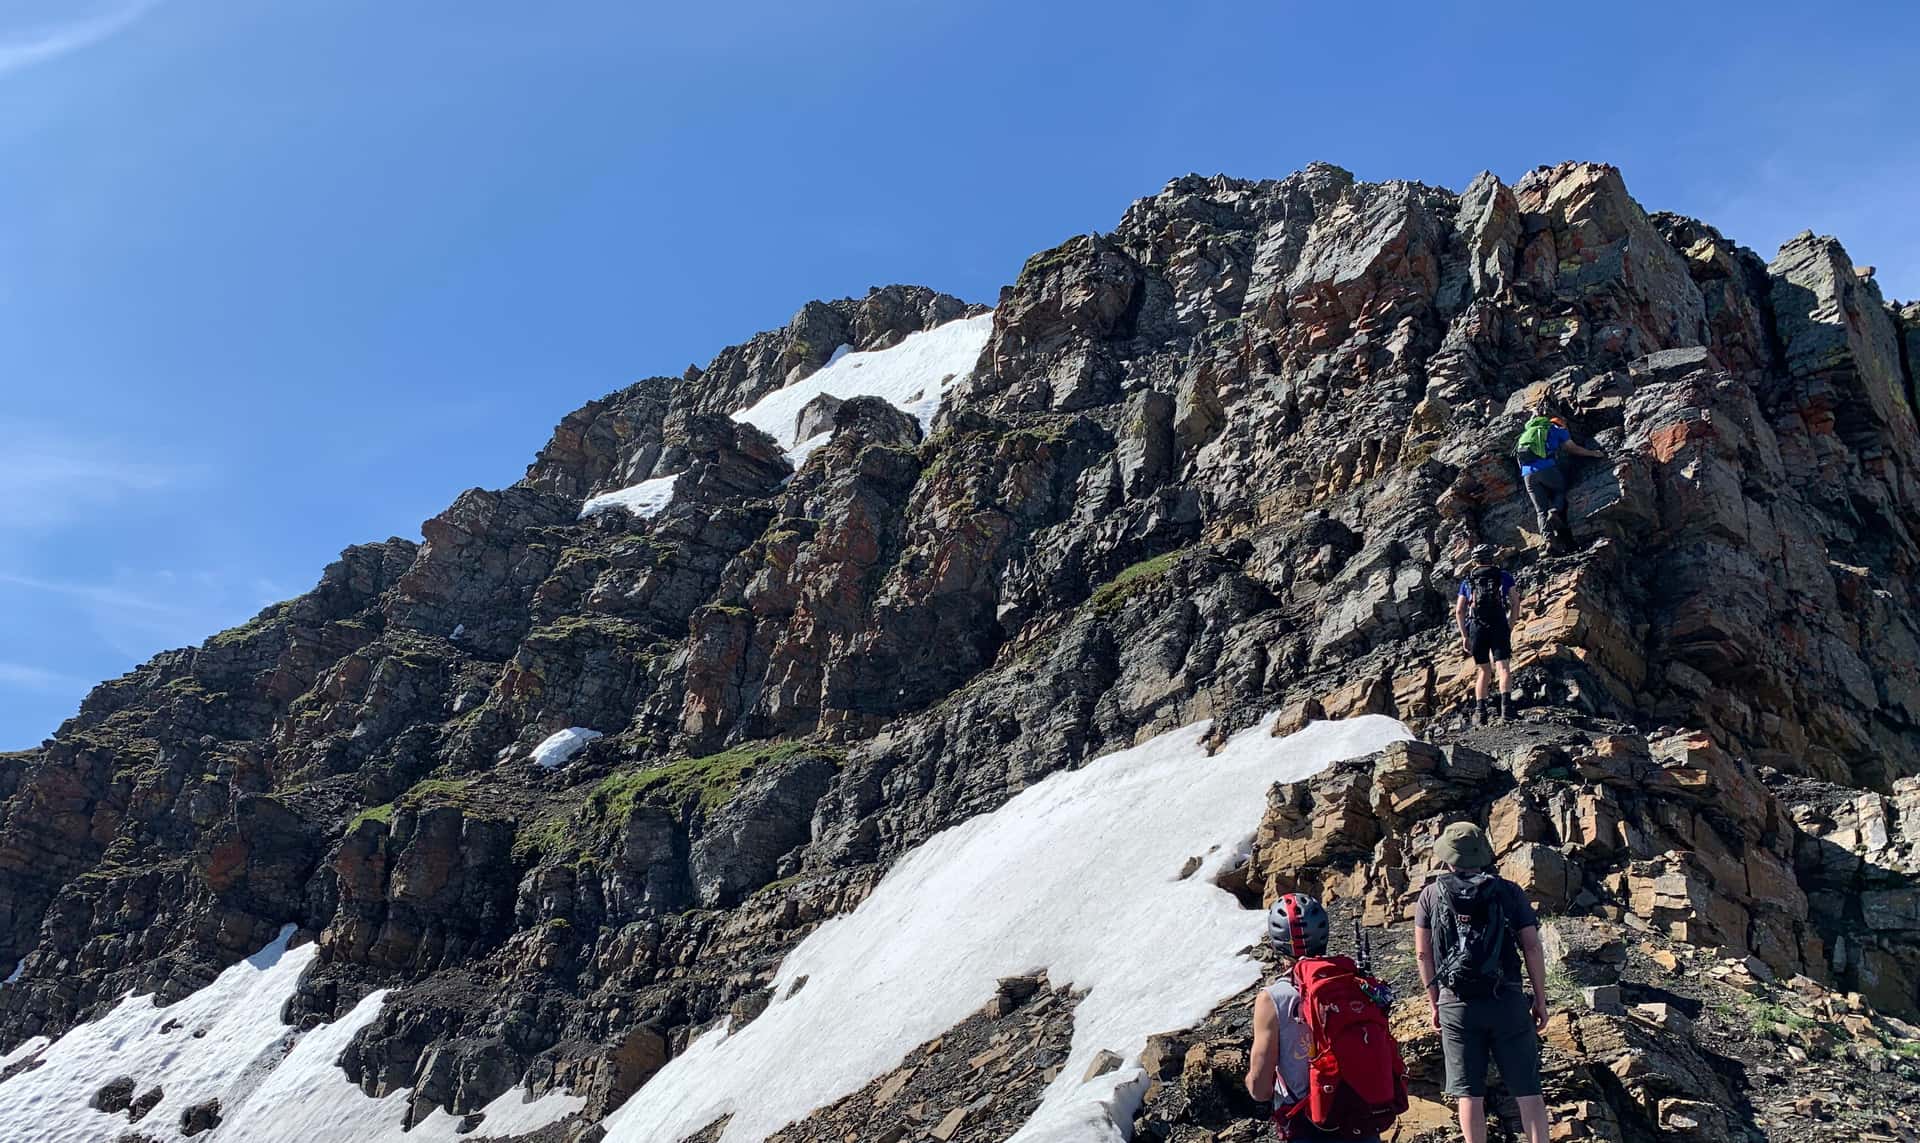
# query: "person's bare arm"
{"points": [[1582, 450], [1265, 1056], [1536, 958], [1423, 952]]}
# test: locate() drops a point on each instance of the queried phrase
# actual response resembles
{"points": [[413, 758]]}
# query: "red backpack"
{"points": [[1357, 1083]]}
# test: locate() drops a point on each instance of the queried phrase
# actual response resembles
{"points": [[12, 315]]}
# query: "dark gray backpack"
{"points": [[1473, 933], [1487, 602]]}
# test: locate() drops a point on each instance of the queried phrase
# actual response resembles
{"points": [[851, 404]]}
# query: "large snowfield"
{"points": [[1078, 875], [912, 376]]}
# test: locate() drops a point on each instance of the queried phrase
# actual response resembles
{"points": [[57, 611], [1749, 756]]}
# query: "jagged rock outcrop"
{"points": [[1228, 457]]}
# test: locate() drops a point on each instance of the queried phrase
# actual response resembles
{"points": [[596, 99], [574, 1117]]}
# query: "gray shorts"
{"points": [[1501, 1028]]}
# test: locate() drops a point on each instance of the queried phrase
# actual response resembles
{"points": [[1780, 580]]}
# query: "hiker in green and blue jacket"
{"points": [[1544, 473]]}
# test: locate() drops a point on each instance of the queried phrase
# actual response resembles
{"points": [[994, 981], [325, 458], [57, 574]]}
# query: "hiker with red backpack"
{"points": [[1538, 451], [1483, 610], [1471, 930], [1321, 1049]]}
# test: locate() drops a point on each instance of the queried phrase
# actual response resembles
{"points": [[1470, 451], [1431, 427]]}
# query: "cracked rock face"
{"points": [[1229, 457]]}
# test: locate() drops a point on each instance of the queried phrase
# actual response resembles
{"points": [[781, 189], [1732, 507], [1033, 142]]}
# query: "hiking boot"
{"points": [[1506, 709], [1480, 712]]}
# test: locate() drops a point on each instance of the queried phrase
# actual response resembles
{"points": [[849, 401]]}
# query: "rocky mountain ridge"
{"points": [[1225, 459]]}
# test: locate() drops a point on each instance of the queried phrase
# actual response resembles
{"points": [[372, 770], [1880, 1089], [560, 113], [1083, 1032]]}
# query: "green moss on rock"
{"points": [[382, 814], [544, 836], [1133, 579], [252, 628], [712, 779], [429, 791]]}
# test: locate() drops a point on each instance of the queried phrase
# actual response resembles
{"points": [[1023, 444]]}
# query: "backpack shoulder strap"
{"points": [[1446, 926]]}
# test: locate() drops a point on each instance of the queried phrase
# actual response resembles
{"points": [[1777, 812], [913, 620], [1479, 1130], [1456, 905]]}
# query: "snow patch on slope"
{"points": [[226, 1042], [19, 967], [644, 499], [912, 376], [1078, 875], [558, 748]]}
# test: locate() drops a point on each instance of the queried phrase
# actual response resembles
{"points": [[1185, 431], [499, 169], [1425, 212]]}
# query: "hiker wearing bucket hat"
{"points": [[1472, 929]]}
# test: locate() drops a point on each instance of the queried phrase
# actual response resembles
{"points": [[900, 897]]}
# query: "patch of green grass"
{"points": [[776, 886], [1762, 1017], [1108, 597], [577, 555], [712, 780], [726, 609], [546, 835], [1038, 434], [234, 636], [1563, 992], [789, 529], [569, 627], [438, 789], [382, 814], [441, 790]]}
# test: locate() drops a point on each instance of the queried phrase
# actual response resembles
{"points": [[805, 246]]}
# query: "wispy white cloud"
{"points": [[27, 47], [52, 476], [132, 613], [104, 596], [40, 680]]}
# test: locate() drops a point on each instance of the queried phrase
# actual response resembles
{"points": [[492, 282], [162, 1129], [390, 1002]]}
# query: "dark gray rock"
{"points": [[815, 417]]}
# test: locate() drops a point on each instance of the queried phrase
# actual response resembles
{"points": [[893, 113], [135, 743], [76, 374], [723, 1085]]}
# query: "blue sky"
{"points": [[279, 278]]}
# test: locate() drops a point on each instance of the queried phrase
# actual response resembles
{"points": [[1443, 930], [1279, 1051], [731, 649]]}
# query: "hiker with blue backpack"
{"points": [[1538, 451], [1321, 1049], [1472, 929]]}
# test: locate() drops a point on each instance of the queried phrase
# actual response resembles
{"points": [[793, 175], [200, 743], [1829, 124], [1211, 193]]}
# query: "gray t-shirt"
{"points": [[1294, 1047], [1513, 902]]}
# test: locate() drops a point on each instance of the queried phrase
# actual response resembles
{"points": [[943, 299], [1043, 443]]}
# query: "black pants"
{"points": [[1547, 488], [1491, 643]]}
